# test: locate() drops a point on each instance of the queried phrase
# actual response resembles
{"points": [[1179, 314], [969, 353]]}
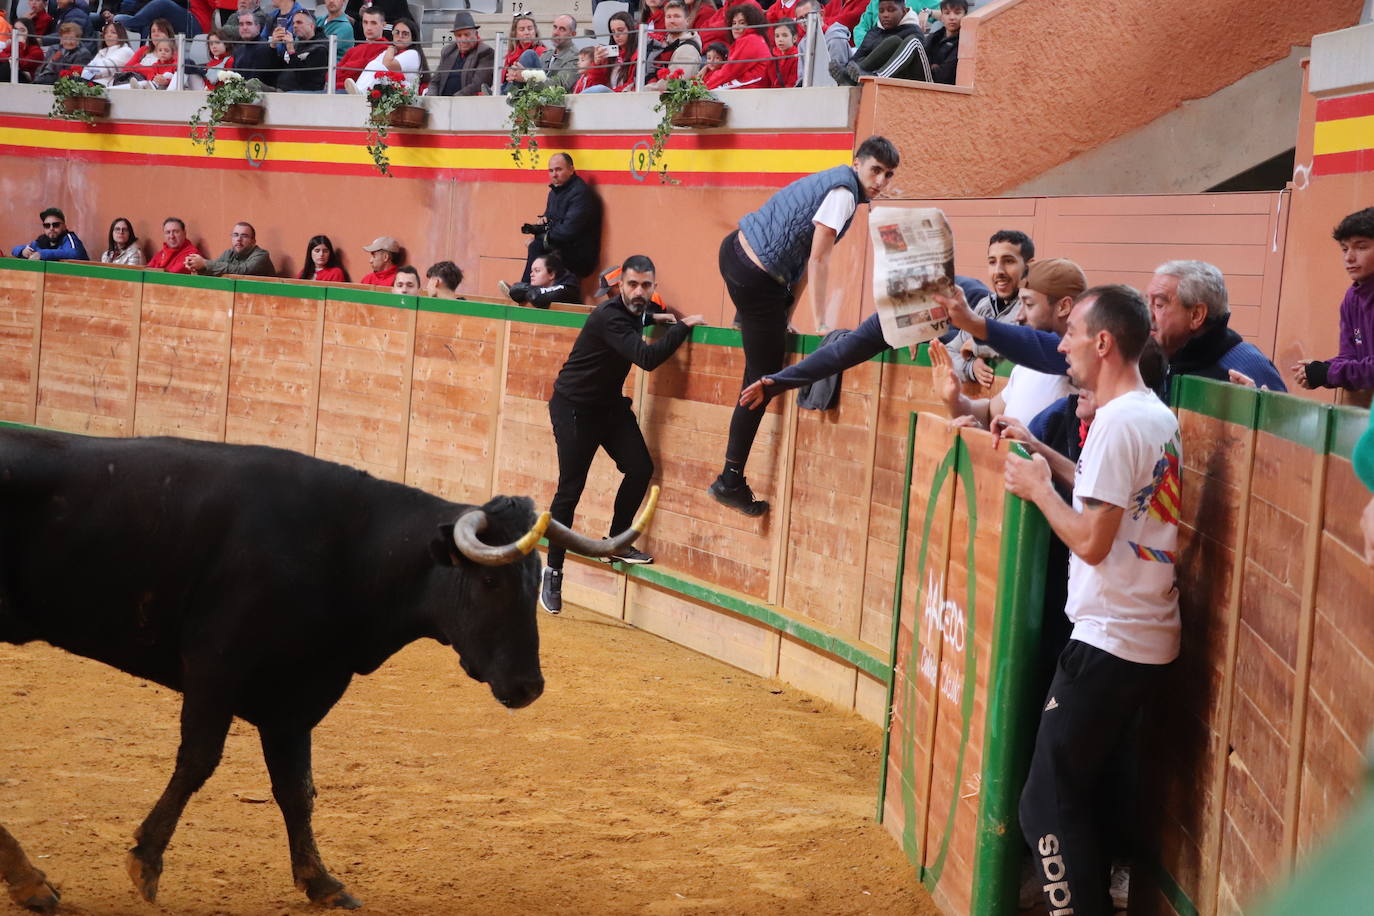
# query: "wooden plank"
{"points": [[21, 324], [86, 383], [817, 673], [274, 370], [732, 639], [185, 342]]}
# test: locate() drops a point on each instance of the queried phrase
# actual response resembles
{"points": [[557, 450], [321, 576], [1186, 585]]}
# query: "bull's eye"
{"points": [[489, 581]]}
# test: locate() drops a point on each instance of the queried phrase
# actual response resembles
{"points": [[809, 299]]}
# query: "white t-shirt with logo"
{"points": [[1028, 392], [1128, 604]]}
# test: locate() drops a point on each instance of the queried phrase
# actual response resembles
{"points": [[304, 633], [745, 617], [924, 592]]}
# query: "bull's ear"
{"points": [[442, 549]]}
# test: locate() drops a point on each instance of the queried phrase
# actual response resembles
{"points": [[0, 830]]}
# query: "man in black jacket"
{"points": [[589, 412], [571, 224], [942, 45], [304, 55]]}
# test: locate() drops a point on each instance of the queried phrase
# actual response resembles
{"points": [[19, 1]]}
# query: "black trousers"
{"points": [[578, 431], [763, 306], [1091, 709]]}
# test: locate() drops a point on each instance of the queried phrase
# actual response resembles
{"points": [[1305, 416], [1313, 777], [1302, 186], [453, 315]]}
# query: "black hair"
{"points": [[1360, 223], [52, 211], [753, 16], [1153, 366], [953, 4], [898, 2], [631, 36], [133, 237], [719, 47], [792, 26], [1121, 312], [308, 271], [879, 148], [244, 222], [415, 43], [175, 219], [449, 274], [408, 269], [1015, 237], [640, 263], [553, 262]]}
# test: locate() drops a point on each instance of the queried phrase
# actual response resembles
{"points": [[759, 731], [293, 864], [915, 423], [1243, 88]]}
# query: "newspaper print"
{"points": [[913, 259]]}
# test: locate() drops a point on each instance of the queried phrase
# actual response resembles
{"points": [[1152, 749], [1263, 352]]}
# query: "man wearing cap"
{"points": [[466, 64], [383, 251], [57, 243]]}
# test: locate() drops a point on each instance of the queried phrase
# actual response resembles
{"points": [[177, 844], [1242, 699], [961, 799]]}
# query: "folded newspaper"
{"points": [[913, 259]]}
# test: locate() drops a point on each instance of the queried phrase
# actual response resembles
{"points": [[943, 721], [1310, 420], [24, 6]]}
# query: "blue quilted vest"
{"points": [[780, 231]]}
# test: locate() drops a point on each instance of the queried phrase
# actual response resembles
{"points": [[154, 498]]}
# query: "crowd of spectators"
{"points": [[283, 44]]}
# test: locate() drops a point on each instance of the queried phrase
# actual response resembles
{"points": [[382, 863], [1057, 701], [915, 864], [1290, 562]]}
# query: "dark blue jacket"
{"points": [[67, 248], [780, 231]]}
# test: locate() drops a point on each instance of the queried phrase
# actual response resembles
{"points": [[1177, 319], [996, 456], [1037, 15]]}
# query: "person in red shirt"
{"points": [[40, 23], [750, 64], [175, 248], [785, 43], [30, 52], [588, 73], [322, 262], [383, 251], [356, 58]]}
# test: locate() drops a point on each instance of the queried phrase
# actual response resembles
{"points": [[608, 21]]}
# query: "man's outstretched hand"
{"points": [[755, 396], [960, 315]]}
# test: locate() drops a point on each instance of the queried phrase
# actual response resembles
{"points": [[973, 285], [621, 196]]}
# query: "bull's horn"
{"points": [[564, 536], [468, 526]]}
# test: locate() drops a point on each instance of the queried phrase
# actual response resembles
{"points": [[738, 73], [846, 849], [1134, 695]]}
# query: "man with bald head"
{"points": [[571, 222], [560, 61]]}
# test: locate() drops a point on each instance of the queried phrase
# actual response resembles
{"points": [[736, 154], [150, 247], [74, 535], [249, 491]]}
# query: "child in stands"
{"points": [[1353, 367], [785, 42]]}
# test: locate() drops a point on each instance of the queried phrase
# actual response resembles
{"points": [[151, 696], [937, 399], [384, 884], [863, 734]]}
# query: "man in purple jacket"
{"points": [[1353, 367]]}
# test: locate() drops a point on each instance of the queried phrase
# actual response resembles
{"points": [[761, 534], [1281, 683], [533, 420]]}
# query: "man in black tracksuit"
{"points": [[589, 412], [571, 223]]}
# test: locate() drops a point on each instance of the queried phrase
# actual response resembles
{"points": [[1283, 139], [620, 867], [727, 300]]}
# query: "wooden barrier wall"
{"points": [[1254, 752]]}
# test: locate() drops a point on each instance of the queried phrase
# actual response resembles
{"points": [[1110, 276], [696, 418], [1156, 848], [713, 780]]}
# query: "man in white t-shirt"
{"points": [[1047, 297], [1122, 531], [762, 263]]}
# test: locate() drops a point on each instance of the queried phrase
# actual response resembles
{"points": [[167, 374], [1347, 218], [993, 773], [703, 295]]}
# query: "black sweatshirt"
{"points": [[610, 342]]}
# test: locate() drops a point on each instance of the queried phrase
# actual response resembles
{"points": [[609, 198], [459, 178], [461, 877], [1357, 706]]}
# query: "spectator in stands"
{"points": [[589, 75], [253, 58], [335, 22], [784, 11], [571, 223], [384, 255], [465, 67], [443, 279], [175, 248], [1010, 252], [40, 20], [390, 10], [218, 44], [895, 49], [177, 17], [30, 53], [55, 244], [792, 235], [942, 45], [305, 55], [69, 51], [524, 52], [278, 22], [242, 257], [1353, 367], [620, 55], [560, 61], [681, 48], [714, 59], [371, 44], [651, 15], [70, 11], [550, 282], [924, 9], [160, 74], [406, 281], [893, 18], [403, 55], [112, 56], [785, 43], [123, 247], [750, 63], [589, 412], [322, 262]]}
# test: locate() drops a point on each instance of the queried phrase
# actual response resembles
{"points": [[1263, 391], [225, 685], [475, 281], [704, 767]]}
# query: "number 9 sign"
{"points": [[639, 160], [255, 150]]}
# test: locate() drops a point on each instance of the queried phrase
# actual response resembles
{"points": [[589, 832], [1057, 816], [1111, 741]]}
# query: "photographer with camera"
{"points": [[570, 224]]}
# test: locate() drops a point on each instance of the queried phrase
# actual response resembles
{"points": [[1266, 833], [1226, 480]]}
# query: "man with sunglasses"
{"points": [[55, 244]]}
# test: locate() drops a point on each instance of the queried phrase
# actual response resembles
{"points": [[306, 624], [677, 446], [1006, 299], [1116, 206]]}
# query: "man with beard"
{"points": [[589, 412], [1010, 253]]}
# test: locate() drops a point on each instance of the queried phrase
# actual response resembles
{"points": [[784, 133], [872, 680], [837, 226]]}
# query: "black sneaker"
{"points": [[631, 555], [852, 73], [551, 591], [739, 498], [836, 69]]}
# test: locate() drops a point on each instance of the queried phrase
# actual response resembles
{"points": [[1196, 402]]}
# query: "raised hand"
{"points": [[943, 376]]}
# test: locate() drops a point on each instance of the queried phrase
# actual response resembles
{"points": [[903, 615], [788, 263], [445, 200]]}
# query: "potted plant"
{"points": [[77, 99], [234, 101], [538, 103], [684, 102], [391, 103]]}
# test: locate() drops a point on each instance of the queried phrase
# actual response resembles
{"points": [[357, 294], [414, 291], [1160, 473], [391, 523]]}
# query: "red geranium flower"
{"points": [[663, 73], [677, 74], [375, 94]]}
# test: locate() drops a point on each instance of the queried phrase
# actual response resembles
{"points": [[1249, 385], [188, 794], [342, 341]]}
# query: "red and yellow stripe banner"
{"points": [[693, 159], [1343, 140]]}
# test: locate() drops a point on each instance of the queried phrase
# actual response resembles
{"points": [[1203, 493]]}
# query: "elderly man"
{"points": [[383, 257], [335, 22], [351, 65], [466, 64], [175, 248], [305, 56], [55, 244], [571, 222], [243, 257]]}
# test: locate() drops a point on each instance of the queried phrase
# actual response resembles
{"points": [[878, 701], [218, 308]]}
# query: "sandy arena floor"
{"points": [[647, 779]]}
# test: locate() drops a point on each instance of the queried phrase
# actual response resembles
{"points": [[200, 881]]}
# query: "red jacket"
{"points": [[518, 48], [786, 68], [718, 24], [224, 63], [152, 70], [355, 59], [746, 68], [596, 76], [173, 260], [381, 277], [30, 57], [846, 12]]}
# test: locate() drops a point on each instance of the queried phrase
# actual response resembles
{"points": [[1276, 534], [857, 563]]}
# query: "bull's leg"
{"points": [[204, 725], [29, 887], [287, 752]]}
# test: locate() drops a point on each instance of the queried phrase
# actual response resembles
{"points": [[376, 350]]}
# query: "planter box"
{"points": [[95, 106], [708, 113], [408, 116], [552, 117], [244, 113]]}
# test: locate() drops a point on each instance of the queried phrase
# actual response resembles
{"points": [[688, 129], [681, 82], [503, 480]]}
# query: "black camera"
{"points": [[531, 228]]}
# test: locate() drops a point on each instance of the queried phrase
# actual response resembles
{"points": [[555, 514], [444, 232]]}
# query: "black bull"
{"points": [[257, 582]]}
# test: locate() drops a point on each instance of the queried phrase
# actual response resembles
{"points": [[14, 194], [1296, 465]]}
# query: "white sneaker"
{"points": [[352, 87]]}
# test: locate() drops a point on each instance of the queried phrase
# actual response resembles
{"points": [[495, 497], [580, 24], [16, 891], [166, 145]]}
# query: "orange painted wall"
{"points": [[1052, 80]]}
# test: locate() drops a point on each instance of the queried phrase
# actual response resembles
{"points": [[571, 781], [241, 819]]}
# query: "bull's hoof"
{"points": [[339, 899], [144, 873], [37, 894]]}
